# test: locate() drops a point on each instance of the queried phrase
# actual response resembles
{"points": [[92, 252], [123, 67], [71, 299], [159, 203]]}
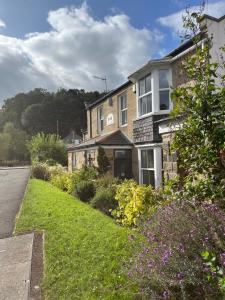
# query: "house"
{"points": [[132, 122]]}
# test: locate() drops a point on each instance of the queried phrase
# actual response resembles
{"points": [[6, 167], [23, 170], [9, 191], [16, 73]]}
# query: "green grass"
{"points": [[85, 251]]}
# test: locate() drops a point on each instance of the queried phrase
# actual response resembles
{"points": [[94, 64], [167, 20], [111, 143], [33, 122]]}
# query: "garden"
{"points": [[113, 239]]}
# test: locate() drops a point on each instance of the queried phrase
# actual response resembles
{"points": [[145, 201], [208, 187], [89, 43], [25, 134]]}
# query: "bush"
{"points": [[40, 171], [134, 201], [61, 181], [84, 190], [107, 181], [87, 173], [47, 147], [103, 162], [170, 264], [56, 169], [104, 200]]}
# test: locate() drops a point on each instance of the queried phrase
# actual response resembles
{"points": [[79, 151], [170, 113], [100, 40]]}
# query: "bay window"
{"points": [[150, 166], [154, 92], [123, 110], [145, 95], [100, 119], [164, 90]]}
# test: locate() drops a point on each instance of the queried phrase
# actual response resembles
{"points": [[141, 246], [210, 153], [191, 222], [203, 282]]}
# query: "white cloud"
{"points": [[2, 24], [175, 23], [76, 48]]}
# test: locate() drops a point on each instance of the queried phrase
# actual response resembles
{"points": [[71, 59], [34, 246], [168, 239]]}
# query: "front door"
{"points": [[123, 164]]}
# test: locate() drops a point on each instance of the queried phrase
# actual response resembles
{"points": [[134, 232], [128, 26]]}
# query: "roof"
{"points": [[111, 93], [116, 138]]}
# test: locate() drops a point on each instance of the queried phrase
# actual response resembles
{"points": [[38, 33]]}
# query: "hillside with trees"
{"points": [[27, 114]]}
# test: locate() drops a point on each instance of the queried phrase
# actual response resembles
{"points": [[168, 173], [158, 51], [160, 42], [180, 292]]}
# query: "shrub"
{"points": [[104, 200], [87, 173], [103, 162], [107, 181], [56, 169], [40, 171], [170, 264], [84, 190], [134, 201], [47, 147], [61, 181]]}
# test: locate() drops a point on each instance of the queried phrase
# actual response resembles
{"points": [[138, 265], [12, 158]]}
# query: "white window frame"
{"points": [[145, 94], [154, 91], [100, 120], [164, 89], [157, 158], [122, 110]]}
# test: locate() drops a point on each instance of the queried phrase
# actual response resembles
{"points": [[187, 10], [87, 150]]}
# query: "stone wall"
{"points": [[170, 164], [114, 110]]}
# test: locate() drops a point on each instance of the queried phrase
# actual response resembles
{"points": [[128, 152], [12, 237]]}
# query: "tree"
{"points": [[201, 139], [13, 143], [47, 148], [103, 162]]}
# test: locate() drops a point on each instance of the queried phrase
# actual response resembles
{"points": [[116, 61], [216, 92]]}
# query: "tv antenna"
{"points": [[103, 79]]}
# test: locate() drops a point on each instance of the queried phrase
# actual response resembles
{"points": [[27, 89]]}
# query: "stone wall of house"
{"points": [[170, 164], [113, 110], [146, 130]]}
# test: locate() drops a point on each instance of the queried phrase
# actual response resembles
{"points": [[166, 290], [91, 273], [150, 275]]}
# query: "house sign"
{"points": [[109, 119]]}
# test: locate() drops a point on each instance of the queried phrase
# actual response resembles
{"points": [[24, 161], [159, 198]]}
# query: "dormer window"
{"points": [[145, 95]]}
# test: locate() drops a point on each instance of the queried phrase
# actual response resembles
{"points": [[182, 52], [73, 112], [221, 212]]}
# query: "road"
{"points": [[13, 183]]}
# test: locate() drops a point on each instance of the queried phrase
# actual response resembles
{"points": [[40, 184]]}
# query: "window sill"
{"points": [[162, 112], [125, 125]]}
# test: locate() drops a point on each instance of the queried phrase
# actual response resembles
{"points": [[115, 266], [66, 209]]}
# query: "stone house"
{"points": [[132, 122]]}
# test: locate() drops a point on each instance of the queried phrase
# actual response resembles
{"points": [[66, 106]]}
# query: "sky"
{"points": [[56, 44]]}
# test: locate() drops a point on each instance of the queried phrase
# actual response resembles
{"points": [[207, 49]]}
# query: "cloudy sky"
{"points": [[64, 43]]}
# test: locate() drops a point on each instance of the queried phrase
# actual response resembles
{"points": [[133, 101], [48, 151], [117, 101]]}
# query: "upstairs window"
{"points": [[100, 119], [123, 110], [145, 95], [164, 90]]}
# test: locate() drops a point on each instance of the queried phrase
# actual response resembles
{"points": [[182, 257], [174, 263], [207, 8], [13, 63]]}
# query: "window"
{"points": [[145, 95], [150, 166], [164, 90], [110, 101], [147, 167], [123, 109], [100, 119], [74, 162]]}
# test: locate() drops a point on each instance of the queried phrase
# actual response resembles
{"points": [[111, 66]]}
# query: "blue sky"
{"points": [[63, 43]]}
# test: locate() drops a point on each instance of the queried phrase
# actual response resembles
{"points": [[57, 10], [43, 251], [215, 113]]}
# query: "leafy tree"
{"points": [[201, 140], [13, 143], [103, 162], [47, 148], [41, 111]]}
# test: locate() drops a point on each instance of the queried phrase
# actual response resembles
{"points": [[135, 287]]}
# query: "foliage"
{"points": [[84, 190], [13, 143], [202, 106], [87, 173], [61, 181], [40, 171], [48, 147], [85, 250], [104, 200], [39, 111], [134, 201], [107, 181], [169, 264], [103, 162], [215, 270]]}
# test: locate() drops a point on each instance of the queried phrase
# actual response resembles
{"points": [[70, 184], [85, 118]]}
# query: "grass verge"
{"points": [[85, 250]]}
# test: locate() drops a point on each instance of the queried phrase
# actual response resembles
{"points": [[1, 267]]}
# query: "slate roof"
{"points": [[116, 138]]}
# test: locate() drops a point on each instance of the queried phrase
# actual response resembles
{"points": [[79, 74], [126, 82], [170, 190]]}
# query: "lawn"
{"points": [[85, 251]]}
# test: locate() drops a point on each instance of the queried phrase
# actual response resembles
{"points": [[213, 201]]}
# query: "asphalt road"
{"points": [[13, 183]]}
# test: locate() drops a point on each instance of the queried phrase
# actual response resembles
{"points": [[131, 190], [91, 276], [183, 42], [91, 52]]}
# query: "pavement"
{"points": [[15, 267], [15, 252], [13, 183]]}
